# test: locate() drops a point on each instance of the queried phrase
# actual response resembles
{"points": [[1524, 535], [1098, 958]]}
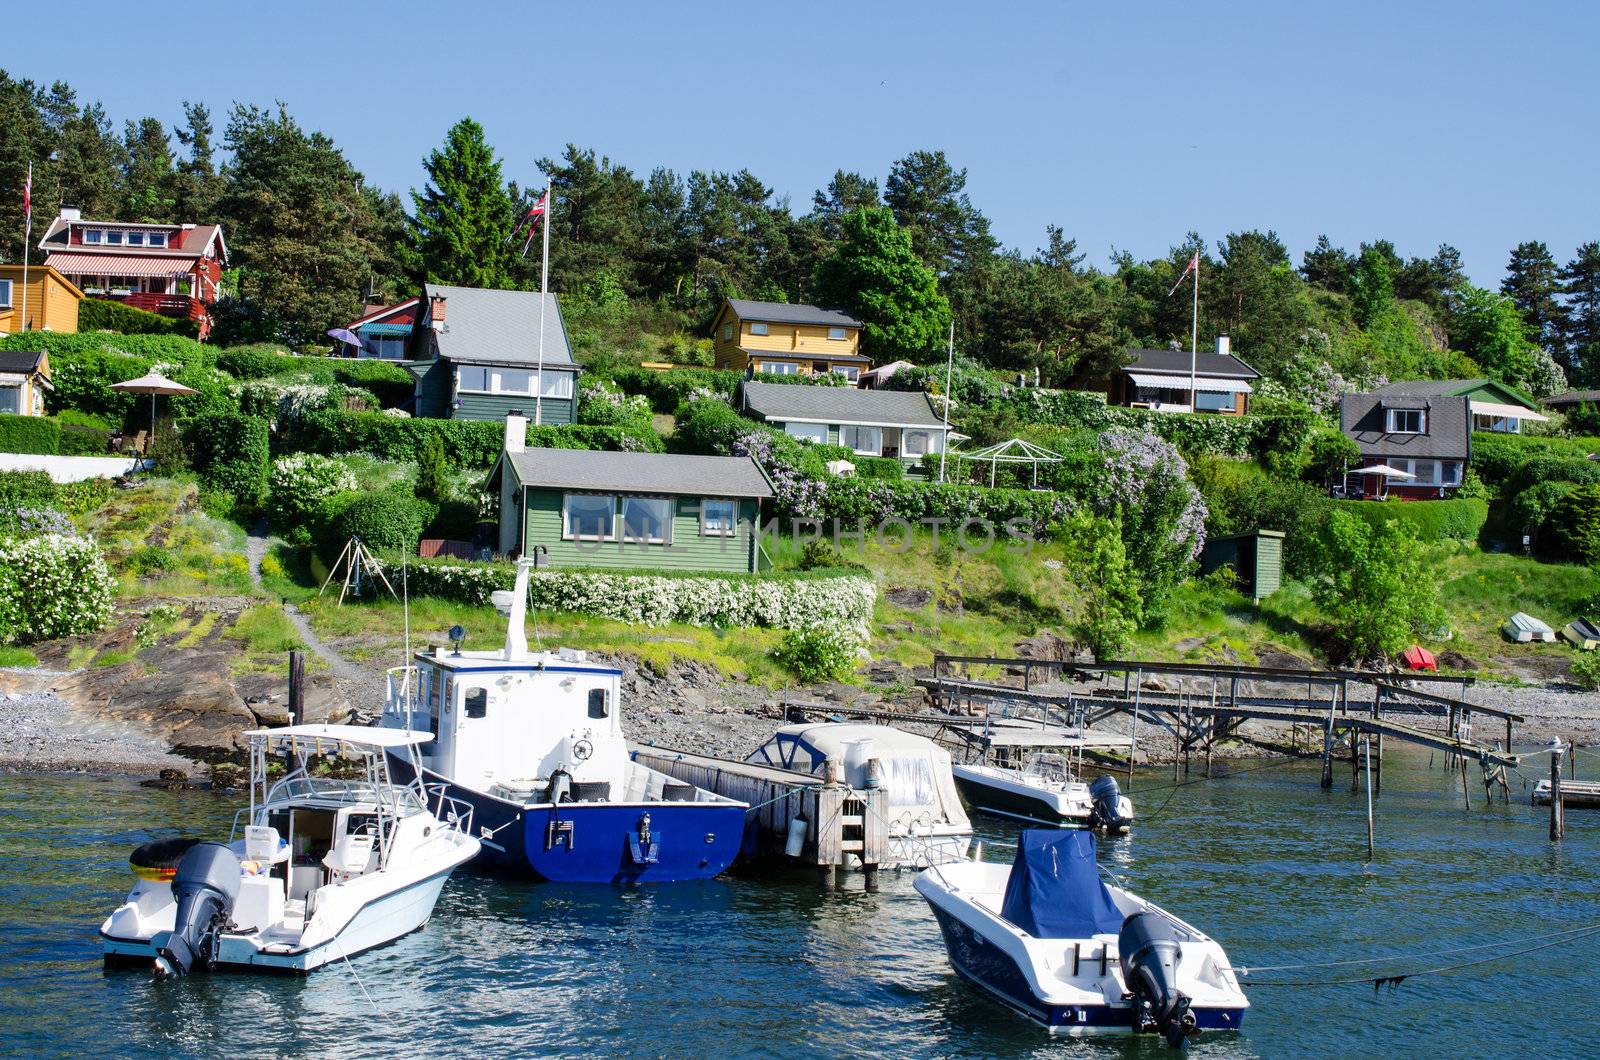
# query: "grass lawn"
{"points": [[11, 655]]}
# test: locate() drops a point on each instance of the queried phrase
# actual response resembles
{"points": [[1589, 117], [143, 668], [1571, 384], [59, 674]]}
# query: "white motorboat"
{"points": [[1053, 942], [1045, 791], [927, 824], [324, 868]]}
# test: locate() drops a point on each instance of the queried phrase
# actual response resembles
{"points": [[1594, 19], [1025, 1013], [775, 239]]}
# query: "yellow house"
{"points": [[24, 378], [52, 300], [787, 339]]}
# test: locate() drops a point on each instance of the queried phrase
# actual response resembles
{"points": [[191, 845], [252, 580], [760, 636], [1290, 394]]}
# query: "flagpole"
{"points": [[949, 367], [544, 294], [1194, 335], [27, 237]]}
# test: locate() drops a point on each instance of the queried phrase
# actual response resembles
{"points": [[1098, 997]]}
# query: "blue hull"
{"points": [[988, 966], [597, 842]]}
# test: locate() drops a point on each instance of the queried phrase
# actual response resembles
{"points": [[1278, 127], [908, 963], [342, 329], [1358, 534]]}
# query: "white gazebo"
{"points": [[1014, 451]]}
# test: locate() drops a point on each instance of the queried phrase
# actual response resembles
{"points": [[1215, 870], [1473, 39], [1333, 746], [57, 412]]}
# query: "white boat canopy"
{"points": [[355, 735], [1383, 469]]}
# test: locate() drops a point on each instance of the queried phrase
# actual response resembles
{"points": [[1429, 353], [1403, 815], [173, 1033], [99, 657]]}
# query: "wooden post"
{"points": [[1367, 748], [1508, 735], [1177, 742], [1557, 815], [1466, 799], [1133, 741], [1327, 752]]}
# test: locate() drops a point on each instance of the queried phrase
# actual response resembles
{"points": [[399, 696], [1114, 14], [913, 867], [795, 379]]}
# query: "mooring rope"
{"points": [[1559, 938]]}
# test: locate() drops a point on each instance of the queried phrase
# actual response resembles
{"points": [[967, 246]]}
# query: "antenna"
{"points": [[405, 607]]}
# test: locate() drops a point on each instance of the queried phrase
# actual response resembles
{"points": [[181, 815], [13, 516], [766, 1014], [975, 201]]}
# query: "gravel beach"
{"points": [[42, 733]]}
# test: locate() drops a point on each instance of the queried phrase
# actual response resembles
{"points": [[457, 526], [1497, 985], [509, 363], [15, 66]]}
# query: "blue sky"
{"points": [[1127, 124]]}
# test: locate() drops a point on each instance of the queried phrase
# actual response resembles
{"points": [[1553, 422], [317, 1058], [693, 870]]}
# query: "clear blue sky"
{"points": [[1127, 124]]}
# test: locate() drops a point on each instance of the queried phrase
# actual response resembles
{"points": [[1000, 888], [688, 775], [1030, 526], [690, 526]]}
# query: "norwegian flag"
{"points": [[27, 199], [531, 219], [1193, 266]]}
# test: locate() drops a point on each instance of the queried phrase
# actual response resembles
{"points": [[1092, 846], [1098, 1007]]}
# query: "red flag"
{"points": [[27, 199], [529, 219], [1194, 264]]}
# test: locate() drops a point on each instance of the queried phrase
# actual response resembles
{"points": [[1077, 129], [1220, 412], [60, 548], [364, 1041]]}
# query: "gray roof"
{"points": [[24, 361], [784, 313], [1449, 437], [592, 469], [1574, 397], [1206, 362], [497, 327], [805, 403]]}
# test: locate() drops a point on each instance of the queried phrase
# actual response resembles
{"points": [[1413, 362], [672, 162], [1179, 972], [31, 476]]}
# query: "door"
{"points": [[476, 746]]}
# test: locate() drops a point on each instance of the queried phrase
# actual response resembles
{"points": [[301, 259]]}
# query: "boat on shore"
{"points": [[1050, 940], [1045, 791], [324, 869], [532, 741]]}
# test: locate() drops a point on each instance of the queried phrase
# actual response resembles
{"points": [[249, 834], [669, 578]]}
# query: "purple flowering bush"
{"points": [[1145, 489], [36, 522]]}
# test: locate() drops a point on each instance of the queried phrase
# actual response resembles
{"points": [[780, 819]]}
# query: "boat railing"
{"points": [[403, 694], [455, 812]]}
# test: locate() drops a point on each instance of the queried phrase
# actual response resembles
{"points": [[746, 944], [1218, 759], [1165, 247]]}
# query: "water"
{"points": [[1264, 861]]}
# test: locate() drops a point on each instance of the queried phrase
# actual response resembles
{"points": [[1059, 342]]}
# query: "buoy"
{"points": [[796, 841]]}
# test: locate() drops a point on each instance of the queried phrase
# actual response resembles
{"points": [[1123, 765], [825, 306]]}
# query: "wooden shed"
{"points": [[1256, 559]]}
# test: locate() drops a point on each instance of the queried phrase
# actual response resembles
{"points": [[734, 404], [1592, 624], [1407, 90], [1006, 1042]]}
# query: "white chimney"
{"points": [[516, 431], [71, 213], [1222, 345]]}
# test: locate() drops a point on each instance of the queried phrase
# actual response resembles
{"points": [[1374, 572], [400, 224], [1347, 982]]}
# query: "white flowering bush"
{"points": [[820, 653], [52, 586], [842, 602], [300, 482]]}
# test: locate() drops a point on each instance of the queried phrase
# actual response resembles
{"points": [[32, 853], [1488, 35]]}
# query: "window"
{"points": [[91, 237], [727, 332], [476, 702], [849, 371], [778, 367], [598, 707], [511, 381], [719, 518], [557, 385], [919, 443], [135, 239], [647, 519], [1497, 424], [864, 440], [473, 378], [1406, 421], [590, 516], [808, 432], [5, 293], [388, 347], [114, 238], [758, 329], [836, 334], [11, 400], [1452, 472], [1211, 401], [158, 239]]}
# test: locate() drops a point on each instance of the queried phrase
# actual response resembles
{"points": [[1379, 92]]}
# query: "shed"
{"points": [[1257, 560]]}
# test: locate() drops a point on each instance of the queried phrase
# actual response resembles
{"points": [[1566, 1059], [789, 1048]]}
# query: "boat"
{"points": [[323, 870], [1044, 791], [532, 741], [1523, 627], [1050, 940], [927, 824], [1419, 658], [1584, 633]]}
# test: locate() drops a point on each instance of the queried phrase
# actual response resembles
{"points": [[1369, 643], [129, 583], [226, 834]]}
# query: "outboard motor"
{"points": [[205, 886], [1149, 949], [1107, 810]]}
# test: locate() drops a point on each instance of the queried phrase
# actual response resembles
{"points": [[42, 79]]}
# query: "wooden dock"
{"points": [[1578, 794]]}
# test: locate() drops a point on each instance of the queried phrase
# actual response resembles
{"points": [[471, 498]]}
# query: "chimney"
{"points": [[71, 213], [516, 431], [1222, 345], [436, 311]]}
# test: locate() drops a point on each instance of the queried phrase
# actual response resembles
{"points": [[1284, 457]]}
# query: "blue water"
{"points": [[1264, 861]]}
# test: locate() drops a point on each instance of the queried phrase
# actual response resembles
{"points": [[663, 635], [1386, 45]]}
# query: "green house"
{"points": [[1494, 406], [660, 511], [1256, 559], [476, 355], [892, 423]]}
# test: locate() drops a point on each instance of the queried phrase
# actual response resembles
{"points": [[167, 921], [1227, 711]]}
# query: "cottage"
{"points": [[477, 356], [1495, 406], [1161, 380], [892, 423], [1416, 446], [786, 339], [171, 269], [1572, 400], [585, 508], [384, 330], [24, 380], [52, 300]]}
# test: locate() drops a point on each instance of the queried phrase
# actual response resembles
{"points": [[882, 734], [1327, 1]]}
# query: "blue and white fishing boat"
{"points": [[1050, 940], [532, 741]]}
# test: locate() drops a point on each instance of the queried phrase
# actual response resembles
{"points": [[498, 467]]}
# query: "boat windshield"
{"points": [[399, 800], [1049, 767]]}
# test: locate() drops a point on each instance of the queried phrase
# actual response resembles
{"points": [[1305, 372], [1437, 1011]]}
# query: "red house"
{"points": [[171, 269]]}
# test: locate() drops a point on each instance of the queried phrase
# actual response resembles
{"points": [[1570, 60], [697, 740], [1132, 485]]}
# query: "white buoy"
{"points": [[796, 841]]}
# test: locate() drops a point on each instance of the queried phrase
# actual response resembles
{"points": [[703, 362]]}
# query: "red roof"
{"points": [[399, 313]]}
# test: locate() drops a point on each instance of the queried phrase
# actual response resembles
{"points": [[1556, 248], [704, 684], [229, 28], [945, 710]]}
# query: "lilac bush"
{"points": [[37, 522], [1147, 492]]}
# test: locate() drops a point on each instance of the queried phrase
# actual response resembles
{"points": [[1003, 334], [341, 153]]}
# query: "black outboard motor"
{"points": [[1105, 813], [205, 886], [1149, 952]]}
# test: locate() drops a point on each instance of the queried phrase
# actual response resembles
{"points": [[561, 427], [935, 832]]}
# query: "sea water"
{"points": [[1263, 860]]}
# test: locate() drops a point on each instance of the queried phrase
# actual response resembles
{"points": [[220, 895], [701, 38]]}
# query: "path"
{"points": [[343, 669]]}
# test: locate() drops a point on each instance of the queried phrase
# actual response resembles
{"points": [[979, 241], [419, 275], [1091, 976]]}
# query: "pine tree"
{"points": [[845, 192], [1327, 266], [929, 200], [878, 278], [195, 184], [1533, 283], [597, 223], [460, 230], [147, 173], [1580, 283]]}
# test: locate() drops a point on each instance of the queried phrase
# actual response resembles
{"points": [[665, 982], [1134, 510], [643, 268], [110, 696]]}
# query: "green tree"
{"points": [[875, 275], [1109, 609], [460, 228], [1432, 281], [1376, 585], [196, 186], [929, 200], [1372, 284], [147, 172], [1328, 267], [1533, 283], [1576, 523], [1254, 296], [598, 221], [1489, 329], [1580, 283], [844, 193], [433, 472]]}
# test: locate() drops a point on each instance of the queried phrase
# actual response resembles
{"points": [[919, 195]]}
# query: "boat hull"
{"points": [[1005, 800], [597, 842]]}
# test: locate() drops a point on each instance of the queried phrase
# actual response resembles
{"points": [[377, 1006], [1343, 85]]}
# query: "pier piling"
{"points": [[1557, 816]]}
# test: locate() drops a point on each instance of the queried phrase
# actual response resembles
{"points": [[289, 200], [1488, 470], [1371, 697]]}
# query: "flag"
{"points": [[27, 200], [529, 219], [1194, 264]]}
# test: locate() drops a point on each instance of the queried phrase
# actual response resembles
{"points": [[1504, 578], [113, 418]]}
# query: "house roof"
{"points": [[1455, 388], [805, 403], [14, 273], [1176, 362], [24, 362], [406, 309], [802, 355], [190, 242], [649, 473], [784, 313], [498, 327], [1574, 397], [1449, 436]]}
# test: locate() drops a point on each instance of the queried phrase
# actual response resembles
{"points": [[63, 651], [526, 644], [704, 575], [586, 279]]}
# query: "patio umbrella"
{"points": [[346, 336], [1383, 469], [154, 384]]}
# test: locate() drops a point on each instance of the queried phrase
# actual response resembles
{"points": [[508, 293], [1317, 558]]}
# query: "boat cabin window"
{"points": [[477, 702], [598, 707]]}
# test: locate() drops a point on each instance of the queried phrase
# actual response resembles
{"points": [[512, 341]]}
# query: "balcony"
{"points": [[167, 305]]}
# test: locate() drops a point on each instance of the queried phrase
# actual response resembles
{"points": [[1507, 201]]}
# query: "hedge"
{"points": [[52, 586], [1496, 456], [27, 489], [230, 451], [386, 520], [837, 599], [84, 441], [851, 500], [467, 443], [669, 389], [102, 314], [37, 435], [1221, 435], [1457, 519], [391, 384]]}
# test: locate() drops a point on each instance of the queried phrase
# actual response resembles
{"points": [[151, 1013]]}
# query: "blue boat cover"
{"points": [[1054, 891]]}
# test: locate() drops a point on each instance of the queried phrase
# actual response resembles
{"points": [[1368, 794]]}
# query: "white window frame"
{"points": [[851, 437], [8, 390], [930, 440], [1450, 472], [499, 378], [556, 385], [5, 294], [1214, 401], [113, 239], [838, 335], [1392, 421], [567, 533], [134, 239], [156, 239], [463, 388], [849, 371], [807, 432], [666, 523], [91, 237], [706, 529], [778, 367], [760, 329]]}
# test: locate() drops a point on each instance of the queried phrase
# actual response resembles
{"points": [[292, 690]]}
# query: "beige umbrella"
{"points": [[154, 384], [1383, 469]]}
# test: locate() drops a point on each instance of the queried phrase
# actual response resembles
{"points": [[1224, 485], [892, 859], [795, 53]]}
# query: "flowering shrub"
{"points": [[794, 493], [52, 586], [1146, 491], [600, 403], [781, 602], [819, 653], [300, 482], [36, 522], [874, 501]]}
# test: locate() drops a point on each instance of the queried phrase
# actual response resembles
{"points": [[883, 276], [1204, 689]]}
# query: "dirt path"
{"points": [[347, 673]]}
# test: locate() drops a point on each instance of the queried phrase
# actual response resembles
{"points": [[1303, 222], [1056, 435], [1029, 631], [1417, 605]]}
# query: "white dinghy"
{"points": [[1051, 941], [324, 868], [1045, 791]]}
